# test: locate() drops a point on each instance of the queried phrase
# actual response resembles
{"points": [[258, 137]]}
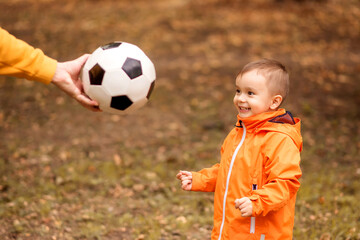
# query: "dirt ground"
{"points": [[67, 173]]}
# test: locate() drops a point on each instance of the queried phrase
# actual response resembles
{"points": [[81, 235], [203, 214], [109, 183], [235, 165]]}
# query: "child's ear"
{"points": [[276, 101]]}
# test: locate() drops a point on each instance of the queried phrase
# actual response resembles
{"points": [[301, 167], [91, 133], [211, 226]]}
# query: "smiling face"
{"points": [[253, 95]]}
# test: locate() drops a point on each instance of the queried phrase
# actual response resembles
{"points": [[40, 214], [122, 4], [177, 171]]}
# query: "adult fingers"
{"points": [[79, 63], [88, 103], [82, 59]]}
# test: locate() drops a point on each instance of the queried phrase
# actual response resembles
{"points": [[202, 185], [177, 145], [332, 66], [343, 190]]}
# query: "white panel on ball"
{"points": [[85, 79], [101, 95], [93, 58], [112, 59], [138, 88], [116, 82], [148, 69], [130, 50], [137, 105]]}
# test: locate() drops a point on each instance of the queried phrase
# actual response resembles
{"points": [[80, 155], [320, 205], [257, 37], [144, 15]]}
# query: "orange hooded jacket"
{"points": [[260, 159], [19, 59]]}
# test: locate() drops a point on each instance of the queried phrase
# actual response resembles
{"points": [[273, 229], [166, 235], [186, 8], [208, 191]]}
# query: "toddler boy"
{"points": [[257, 179]]}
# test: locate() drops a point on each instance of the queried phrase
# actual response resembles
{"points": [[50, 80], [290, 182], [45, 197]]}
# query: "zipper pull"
{"points": [[254, 185]]}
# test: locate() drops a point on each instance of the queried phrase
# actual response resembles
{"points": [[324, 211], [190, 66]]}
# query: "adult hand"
{"points": [[67, 78]]}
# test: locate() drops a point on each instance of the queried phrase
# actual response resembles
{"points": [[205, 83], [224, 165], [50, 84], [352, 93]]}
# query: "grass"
{"points": [[92, 199]]}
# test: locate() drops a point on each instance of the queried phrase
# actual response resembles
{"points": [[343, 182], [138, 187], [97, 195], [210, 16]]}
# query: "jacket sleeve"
{"points": [[282, 168], [205, 180], [18, 59]]}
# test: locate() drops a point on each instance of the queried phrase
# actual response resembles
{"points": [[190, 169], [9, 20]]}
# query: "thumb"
{"points": [[74, 66], [82, 59]]}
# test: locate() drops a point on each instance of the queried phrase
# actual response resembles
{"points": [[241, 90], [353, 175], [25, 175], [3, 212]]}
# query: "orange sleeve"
{"points": [[205, 180], [19, 59], [282, 169]]}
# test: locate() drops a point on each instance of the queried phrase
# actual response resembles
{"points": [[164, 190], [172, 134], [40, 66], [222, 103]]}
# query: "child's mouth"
{"points": [[244, 109]]}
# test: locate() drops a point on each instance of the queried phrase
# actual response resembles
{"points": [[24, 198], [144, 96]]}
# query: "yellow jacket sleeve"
{"points": [[19, 59]]}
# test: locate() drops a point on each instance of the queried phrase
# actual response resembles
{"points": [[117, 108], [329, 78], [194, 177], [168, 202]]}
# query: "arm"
{"points": [[205, 180], [282, 169], [18, 59]]}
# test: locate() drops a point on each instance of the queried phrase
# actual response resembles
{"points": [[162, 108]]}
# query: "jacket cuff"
{"points": [[197, 184], [47, 70], [257, 209]]}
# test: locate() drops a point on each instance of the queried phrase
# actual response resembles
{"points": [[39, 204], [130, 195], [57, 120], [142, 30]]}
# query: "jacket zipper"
{"points": [[252, 223], [228, 178]]}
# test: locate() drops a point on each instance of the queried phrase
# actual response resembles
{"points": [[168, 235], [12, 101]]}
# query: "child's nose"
{"points": [[241, 98]]}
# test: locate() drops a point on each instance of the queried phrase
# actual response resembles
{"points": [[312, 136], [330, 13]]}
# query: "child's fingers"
{"points": [[240, 201], [183, 173], [186, 179], [244, 204], [185, 184], [183, 178], [178, 176], [246, 211], [237, 203], [186, 173]]}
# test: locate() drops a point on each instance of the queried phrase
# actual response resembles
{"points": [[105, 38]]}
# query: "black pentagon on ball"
{"points": [[111, 45], [132, 68], [96, 75], [150, 90], [120, 102]]}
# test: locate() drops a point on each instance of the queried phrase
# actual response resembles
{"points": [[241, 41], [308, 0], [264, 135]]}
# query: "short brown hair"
{"points": [[274, 72]]}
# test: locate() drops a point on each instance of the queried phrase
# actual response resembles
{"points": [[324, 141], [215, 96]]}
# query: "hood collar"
{"points": [[256, 121], [274, 121]]}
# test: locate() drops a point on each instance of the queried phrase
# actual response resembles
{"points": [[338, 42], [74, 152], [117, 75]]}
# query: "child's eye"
{"points": [[237, 91], [250, 93]]}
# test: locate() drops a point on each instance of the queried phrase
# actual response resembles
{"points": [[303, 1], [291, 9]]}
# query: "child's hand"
{"points": [[186, 180], [245, 206]]}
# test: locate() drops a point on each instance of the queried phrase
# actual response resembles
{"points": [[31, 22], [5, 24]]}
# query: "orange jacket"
{"points": [[19, 59], [260, 159]]}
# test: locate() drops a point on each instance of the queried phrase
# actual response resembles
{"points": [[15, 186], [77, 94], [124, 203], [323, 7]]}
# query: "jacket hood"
{"points": [[275, 121]]}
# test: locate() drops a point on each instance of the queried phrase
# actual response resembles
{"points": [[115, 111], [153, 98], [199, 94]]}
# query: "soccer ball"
{"points": [[119, 76]]}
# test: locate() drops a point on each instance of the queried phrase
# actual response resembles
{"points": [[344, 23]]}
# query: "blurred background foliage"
{"points": [[66, 173]]}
